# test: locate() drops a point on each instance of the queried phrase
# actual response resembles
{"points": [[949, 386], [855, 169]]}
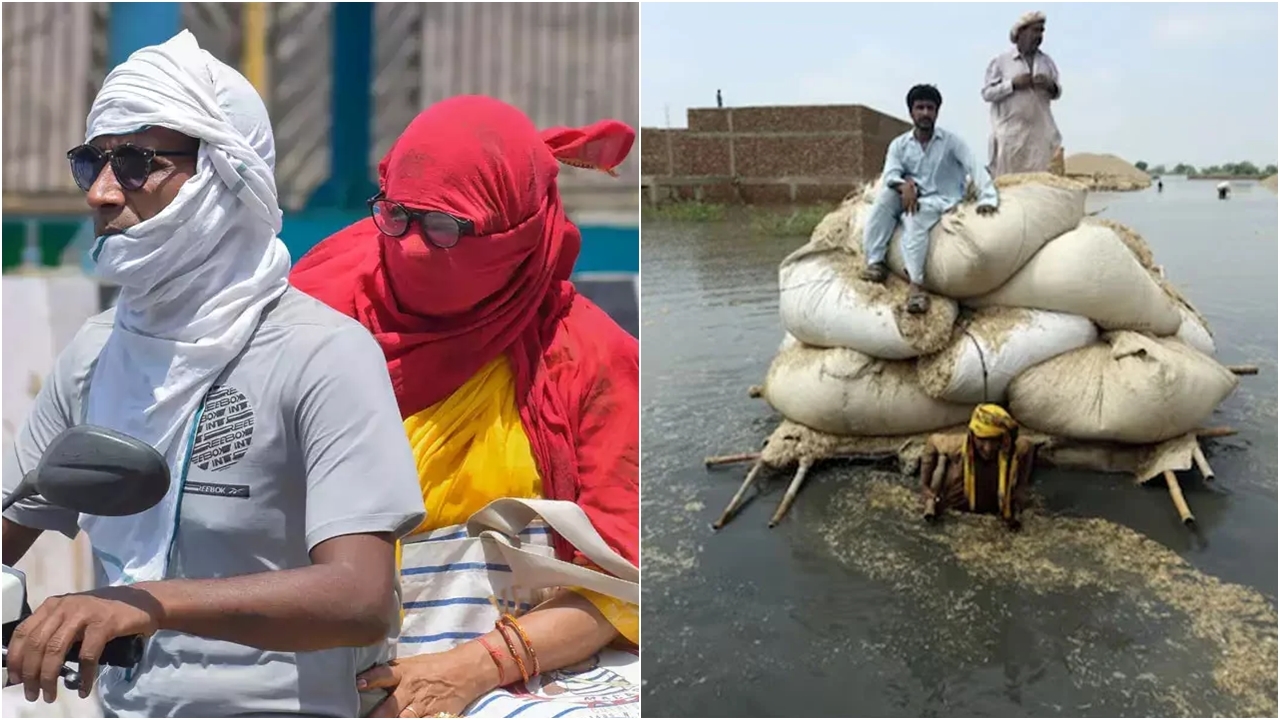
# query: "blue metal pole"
{"points": [[351, 108], [132, 26]]}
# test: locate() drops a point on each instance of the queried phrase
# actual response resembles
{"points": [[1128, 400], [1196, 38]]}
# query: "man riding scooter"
{"points": [[264, 580]]}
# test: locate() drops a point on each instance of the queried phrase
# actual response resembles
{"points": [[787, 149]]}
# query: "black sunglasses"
{"points": [[131, 164], [441, 229]]}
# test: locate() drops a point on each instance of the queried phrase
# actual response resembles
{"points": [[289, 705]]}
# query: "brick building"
{"points": [[764, 155]]}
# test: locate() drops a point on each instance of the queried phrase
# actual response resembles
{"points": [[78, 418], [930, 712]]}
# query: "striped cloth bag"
{"points": [[453, 580]]}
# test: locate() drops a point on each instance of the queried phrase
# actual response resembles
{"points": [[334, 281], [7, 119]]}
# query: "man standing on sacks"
{"points": [[265, 580], [925, 175], [1020, 85]]}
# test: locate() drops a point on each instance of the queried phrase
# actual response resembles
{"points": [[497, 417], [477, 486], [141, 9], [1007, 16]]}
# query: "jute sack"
{"points": [[993, 346], [824, 303], [1193, 329], [1089, 271], [1125, 388], [1194, 333], [845, 392], [970, 254]]}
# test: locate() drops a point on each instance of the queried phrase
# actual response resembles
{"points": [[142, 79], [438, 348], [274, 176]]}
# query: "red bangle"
{"points": [[497, 660], [511, 647], [510, 620]]}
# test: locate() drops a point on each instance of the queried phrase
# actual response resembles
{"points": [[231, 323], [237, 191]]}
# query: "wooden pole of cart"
{"points": [[1202, 463], [805, 464], [738, 498], [714, 460], [790, 497], [1179, 502]]}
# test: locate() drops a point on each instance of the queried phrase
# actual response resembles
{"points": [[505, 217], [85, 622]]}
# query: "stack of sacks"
{"points": [[1063, 318]]}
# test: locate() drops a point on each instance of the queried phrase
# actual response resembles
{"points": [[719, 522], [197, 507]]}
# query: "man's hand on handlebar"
{"points": [[39, 645]]}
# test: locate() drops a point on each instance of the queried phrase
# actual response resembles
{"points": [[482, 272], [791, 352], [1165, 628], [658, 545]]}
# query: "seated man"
{"points": [[924, 177], [985, 473]]}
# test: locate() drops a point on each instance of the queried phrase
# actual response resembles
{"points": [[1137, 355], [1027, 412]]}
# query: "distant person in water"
{"points": [[985, 472], [1224, 190], [1020, 84], [1159, 185], [925, 174]]}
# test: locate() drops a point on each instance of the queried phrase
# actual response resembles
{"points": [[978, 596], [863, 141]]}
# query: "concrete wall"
{"points": [[766, 155]]}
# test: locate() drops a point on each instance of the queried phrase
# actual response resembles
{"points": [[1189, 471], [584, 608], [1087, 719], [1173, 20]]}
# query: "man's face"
{"points": [[116, 209], [1030, 37], [924, 113], [987, 448]]}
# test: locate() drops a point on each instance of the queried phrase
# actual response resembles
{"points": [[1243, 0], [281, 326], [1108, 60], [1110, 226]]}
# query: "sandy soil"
{"points": [[1106, 173]]}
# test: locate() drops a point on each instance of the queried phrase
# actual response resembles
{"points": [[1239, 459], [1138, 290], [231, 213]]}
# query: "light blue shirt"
{"points": [[939, 168]]}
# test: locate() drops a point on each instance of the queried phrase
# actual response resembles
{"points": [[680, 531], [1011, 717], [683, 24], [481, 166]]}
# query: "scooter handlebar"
{"points": [[119, 652]]}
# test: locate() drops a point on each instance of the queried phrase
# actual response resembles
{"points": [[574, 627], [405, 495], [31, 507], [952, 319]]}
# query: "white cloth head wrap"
{"points": [[1030, 18], [194, 280]]}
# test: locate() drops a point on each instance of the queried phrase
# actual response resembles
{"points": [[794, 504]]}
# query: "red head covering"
{"points": [[442, 314]]}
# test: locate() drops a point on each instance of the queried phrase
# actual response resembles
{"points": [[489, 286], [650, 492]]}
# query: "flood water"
{"points": [[1105, 605]]}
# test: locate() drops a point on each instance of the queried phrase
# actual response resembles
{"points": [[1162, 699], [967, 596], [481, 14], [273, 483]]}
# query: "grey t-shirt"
{"points": [[300, 441]]}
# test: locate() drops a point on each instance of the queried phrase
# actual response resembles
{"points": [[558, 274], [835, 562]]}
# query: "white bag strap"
{"points": [[502, 520]]}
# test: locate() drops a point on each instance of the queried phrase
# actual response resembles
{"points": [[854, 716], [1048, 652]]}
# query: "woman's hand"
{"points": [[428, 685]]}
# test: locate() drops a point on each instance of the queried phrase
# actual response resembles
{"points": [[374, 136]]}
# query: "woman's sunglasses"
{"points": [[131, 164], [440, 228]]}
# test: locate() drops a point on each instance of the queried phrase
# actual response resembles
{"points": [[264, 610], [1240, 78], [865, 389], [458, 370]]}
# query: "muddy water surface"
{"points": [[1104, 606]]}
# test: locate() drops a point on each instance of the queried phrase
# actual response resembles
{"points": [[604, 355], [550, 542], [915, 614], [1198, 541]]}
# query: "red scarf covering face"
{"points": [[442, 314]]}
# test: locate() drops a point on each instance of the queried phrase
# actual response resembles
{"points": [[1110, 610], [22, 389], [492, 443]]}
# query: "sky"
{"points": [[1160, 82]]}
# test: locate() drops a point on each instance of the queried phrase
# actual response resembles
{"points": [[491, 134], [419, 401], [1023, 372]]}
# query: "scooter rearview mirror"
{"points": [[97, 471]]}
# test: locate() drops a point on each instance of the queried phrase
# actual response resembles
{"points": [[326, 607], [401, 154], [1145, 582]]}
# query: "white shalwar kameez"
{"points": [[1024, 135]]}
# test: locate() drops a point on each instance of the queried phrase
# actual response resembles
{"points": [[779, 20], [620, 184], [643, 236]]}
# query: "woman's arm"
{"points": [[562, 631]]}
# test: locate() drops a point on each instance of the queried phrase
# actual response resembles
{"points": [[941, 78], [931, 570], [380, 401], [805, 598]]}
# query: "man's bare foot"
{"points": [[875, 272]]}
